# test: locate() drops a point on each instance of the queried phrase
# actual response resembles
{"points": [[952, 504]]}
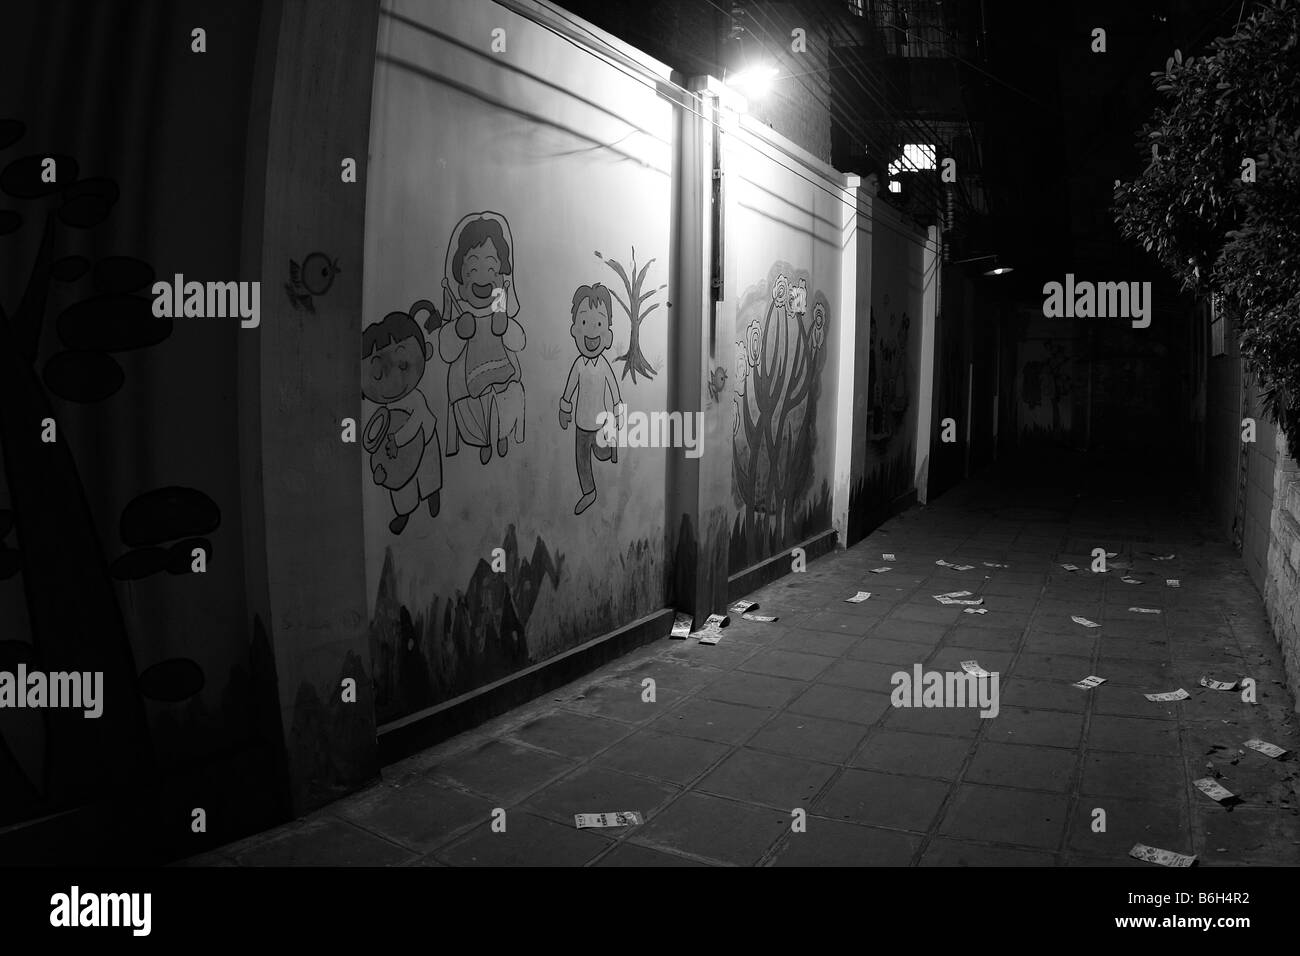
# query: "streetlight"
{"points": [[997, 269], [754, 82]]}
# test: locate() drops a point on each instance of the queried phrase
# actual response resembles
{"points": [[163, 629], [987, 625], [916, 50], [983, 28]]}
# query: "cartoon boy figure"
{"points": [[592, 388], [393, 358]]}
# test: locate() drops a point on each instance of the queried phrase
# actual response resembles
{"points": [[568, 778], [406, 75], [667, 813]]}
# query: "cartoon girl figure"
{"points": [[480, 337]]}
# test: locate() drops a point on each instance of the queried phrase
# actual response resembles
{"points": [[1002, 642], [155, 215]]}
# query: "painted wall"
{"points": [[893, 347], [556, 173], [783, 292]]}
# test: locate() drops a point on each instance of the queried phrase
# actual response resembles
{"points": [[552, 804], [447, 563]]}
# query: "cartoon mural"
{"points": [[402, 434], [887, 374], [314, 277], [480, 337], [1045, 379], [591, 388], [633, 359], [775, 434]]}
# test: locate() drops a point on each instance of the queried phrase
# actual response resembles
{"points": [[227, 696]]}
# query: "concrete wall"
{"points": [[1282, 584], [478, 562], [783, 307]]}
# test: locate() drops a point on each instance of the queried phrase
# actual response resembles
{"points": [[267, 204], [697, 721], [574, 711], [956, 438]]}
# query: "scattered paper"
{"points": [[682, 626], [969, 602], [1172, 582], [711, 632], [963, 567], [888, 557], [1151, 854], [973, 667], [1179, 694], [880, 570], [952, 594], [1084, 621], [1112, 554], [976, 610], [994, 564], [761, 618], [858, 598], [1128, 580], [1164, 557], [1088, 683], [1267, 749], [942, 563], [1070, 567], [1212, 789], [1145, 610], [740, 607], [1218, 684], [624, 819]]}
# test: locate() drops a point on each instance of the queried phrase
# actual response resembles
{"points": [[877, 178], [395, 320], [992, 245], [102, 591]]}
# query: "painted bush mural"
{"points": [[779, 361]]}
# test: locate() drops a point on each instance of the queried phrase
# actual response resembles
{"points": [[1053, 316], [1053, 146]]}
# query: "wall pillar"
{"points": [[846, 385], [925, 390]]}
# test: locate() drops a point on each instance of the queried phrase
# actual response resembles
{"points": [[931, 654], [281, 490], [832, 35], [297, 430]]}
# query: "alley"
{"points": [[796, 714]]}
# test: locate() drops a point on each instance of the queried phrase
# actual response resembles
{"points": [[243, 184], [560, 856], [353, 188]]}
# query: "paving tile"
{"points": [[919, 755], [754, 690], [325, 842], [783, 663], [501, 771], [815, 642], [1019, 725], [528, 840], [703, 826], [599, 790], [777, 780], [944, 851], [882, 799], [570, 734], [1011, 816], [712, 720], [1126, 822], [1138, 735], [830, 741], [841, 703], [1023, 767], [669, 757], [420, 815], [831, 843], [629, 854], [1134, 776]]}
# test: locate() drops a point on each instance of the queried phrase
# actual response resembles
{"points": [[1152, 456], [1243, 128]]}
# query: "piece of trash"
{"points": [[624, 819], [994, 564], [888, 557], [942, 563], [968, 601], [1088, 683], [760, 618], [880, 570], [1128, 580], [740, 607], [1217, 684], [1145, 610], [1070, 567], [1267, 749], [1112, 554], [1172, 582], [952, 594], [1179, 694], [976, 610], [1151, 854], [1164, 557], [1084, 621], [711, 632], [681, 627], [963, 567], [973, 667], [858, 598], [1213, 789]]}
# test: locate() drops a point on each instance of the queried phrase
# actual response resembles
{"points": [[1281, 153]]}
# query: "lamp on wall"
{"points": [[996, 269]]}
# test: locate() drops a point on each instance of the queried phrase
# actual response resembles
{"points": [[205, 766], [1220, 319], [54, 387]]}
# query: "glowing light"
{"points": [[754, 81]]}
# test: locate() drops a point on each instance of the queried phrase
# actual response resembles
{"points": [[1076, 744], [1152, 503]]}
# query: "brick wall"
{"points": [[1282, 590]]}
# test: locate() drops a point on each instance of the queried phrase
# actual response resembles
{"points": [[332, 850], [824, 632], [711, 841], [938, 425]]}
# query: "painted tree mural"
{"points": [[778, 379], [57, 757], [634, 305]]}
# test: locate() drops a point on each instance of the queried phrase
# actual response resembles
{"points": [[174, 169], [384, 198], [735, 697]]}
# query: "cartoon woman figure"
{"points": [[480, 337]]}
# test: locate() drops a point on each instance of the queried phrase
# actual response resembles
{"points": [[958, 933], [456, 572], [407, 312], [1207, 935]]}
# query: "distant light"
{"points": [[999, 270], [754, 81], [895, 186]]}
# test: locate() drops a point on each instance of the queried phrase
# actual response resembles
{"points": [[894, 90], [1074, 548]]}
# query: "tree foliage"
{"points": [[1196, 209]]}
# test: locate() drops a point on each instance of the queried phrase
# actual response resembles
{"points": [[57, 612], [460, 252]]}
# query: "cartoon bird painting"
{"points": [[717, 382], [313, 278]]}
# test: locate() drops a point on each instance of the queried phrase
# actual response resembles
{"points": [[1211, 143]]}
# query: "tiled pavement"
{"points": [[797, 714]]}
